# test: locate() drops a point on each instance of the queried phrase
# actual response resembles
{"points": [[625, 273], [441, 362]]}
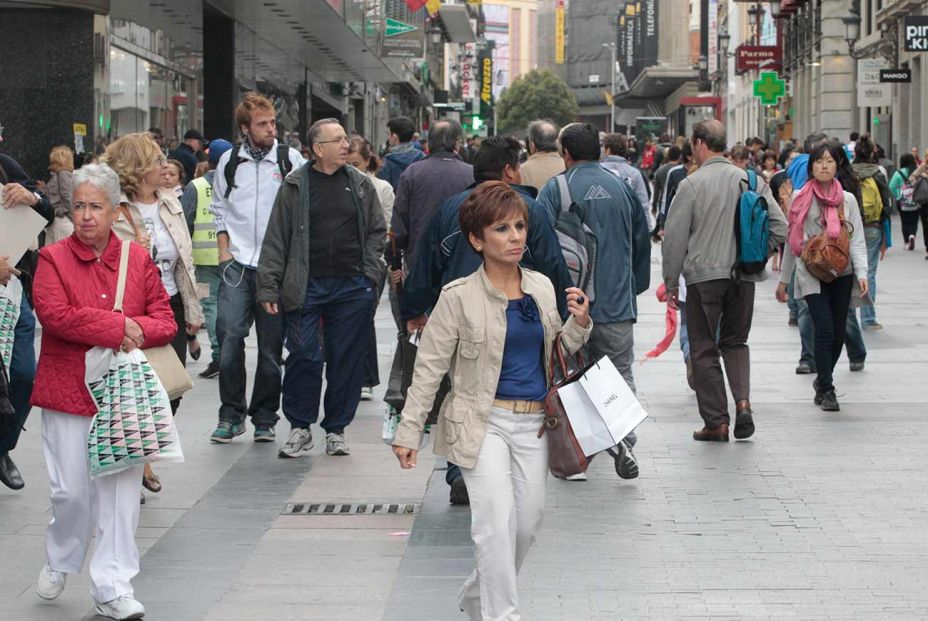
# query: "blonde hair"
{"points": [[61, 158], [250, 102], [132, 157]]}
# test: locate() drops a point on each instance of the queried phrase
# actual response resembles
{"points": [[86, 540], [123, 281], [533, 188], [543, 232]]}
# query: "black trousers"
{"points": [[180, 339], [829, 316], [909, 221]]}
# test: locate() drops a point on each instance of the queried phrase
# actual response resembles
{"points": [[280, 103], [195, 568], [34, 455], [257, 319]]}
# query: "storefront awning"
{"points": [[456, 22], [656, 83]]}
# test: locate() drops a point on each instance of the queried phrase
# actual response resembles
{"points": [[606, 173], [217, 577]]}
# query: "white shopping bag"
{"points": [[601, 408]]}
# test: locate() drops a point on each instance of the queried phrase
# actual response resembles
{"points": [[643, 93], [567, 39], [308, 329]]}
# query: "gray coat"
{"points": [[283, 269], [699, 236]]}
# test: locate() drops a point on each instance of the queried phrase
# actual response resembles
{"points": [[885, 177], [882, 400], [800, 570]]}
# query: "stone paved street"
{"points": [[820, 516]]}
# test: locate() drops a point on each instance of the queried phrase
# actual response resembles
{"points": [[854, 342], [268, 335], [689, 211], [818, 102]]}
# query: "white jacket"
{"points": [[244, 215]]}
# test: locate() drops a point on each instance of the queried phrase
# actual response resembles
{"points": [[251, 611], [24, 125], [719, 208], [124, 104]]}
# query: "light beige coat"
{"points": [[465, 337], [176, 224]]}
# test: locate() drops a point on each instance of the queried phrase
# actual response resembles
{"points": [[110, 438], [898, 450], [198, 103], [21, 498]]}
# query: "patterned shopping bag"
{"points": [[133, 424], [11, 296]]}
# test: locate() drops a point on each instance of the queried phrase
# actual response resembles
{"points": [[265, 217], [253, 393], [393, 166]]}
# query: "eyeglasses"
{"points": [[338, 140]]}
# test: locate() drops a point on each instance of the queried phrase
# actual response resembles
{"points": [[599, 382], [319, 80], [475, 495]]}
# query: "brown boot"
{"points": [[744, 421], [706, 434]]}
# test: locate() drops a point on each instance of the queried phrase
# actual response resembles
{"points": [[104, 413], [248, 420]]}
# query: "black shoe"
{"points": [[626, 464], [459, 494], [211, 370], [857, 367], [9, 473], [744, 424], [804, 368], [829, 401]]}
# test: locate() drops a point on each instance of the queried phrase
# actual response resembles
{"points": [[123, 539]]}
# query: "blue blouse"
{"points": [[522, 377]]}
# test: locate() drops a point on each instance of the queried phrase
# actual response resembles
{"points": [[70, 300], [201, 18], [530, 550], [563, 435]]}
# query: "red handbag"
{"points": [[565, 457]]}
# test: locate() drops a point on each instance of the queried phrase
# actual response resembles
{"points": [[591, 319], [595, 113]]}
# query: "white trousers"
{"points": [[105, 508], [507, 496]]}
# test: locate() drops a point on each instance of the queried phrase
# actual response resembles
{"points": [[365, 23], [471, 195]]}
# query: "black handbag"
{"points": [[920, 192]]}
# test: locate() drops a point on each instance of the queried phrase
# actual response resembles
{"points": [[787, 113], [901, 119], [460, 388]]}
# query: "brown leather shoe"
{"points": [[719, 434], [744, 422]]}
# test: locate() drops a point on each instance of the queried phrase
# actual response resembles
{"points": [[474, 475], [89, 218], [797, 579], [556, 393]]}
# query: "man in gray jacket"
{"points": [[321, 261], [699, 241]]}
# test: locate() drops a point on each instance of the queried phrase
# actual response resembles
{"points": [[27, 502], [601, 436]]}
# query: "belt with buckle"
{"points": [[520, 407]]}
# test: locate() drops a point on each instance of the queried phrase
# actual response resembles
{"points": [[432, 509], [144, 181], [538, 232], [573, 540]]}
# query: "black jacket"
{"points": [[12, 172]]}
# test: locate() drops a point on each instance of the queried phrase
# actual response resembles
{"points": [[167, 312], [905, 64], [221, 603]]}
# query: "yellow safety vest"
{"points": [[205, 250]]}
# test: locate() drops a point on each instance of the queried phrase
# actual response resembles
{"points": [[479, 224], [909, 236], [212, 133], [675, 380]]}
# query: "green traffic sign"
{"points": [[769, 88], [396, 27]]}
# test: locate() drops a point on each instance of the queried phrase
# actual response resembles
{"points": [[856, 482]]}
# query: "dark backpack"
{"points": [[752, 234], [283, 162], [577, 241]]}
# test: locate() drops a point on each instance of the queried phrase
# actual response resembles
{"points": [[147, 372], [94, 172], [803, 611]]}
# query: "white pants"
{"points": [[106, 508], [507, 496]]}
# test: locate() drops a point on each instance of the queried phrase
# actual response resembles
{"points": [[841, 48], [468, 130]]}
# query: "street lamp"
{"points": [[774, 9], [851, 27], [612, 48], [886, 46], [724, 40]]}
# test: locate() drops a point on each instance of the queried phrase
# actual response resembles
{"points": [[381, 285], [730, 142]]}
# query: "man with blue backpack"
{"points": [[722, 227]]}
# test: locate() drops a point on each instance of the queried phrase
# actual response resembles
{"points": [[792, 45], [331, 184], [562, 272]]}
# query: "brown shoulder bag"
{"points": [[565, 457], [827, 258]]}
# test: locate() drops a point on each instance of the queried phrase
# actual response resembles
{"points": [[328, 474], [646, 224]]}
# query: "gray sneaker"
{"points": [[335, 444], [298, 443]]}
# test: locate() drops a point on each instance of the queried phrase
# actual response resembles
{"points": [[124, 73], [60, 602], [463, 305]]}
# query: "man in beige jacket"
{"points": [[544, 160]]}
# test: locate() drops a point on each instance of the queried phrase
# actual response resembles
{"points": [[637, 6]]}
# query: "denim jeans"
{"points": [[854, 338], [874, 237], [684, 333], [238, 310], [22, 373], [806, 328], [344, 306], [829, 310], [209, 275]]}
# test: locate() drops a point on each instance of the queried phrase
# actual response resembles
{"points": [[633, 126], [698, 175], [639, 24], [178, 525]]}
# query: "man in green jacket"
{"points": [[321, 261]]}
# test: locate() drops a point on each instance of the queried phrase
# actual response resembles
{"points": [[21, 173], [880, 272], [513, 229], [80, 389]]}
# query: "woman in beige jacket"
{"points": [[153, 217], [493, 332]]}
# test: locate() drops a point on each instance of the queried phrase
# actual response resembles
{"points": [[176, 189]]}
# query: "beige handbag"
{"points": [[163, 359]]}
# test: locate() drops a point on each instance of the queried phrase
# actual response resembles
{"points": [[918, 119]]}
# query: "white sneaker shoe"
{"points": [[298, 443], [580, 476], [335, 444], [125, 607], [51, 583], [367, 393]]}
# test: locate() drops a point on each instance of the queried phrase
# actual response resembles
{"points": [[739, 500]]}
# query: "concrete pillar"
{"points": [[220, 88], [47, 83], [836, 86]]}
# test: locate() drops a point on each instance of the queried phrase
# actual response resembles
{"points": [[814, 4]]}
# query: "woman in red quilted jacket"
{"points": [[75, 285]]}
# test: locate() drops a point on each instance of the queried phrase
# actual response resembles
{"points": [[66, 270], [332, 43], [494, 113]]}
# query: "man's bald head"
{"points": [[711, 133], [542, 136]]}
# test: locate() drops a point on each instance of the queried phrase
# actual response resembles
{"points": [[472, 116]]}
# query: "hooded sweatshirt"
{"points": [[866, 170], [399, 158]]}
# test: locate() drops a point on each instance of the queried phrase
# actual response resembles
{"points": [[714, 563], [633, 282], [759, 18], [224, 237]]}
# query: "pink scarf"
{"points": [[832, 196]]}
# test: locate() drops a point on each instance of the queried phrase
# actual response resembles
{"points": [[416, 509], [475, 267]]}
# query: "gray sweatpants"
{"points": [[616, 340]]}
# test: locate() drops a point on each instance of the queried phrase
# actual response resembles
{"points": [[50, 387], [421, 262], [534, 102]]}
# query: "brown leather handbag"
{"points": [[827, 258], [565, 457]]}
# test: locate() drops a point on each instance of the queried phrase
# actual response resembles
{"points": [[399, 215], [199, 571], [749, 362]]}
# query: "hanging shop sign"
{"points": [[915, 31], [756, 57], [895, 76], [870, 91], [402, 40], [769, 88]]}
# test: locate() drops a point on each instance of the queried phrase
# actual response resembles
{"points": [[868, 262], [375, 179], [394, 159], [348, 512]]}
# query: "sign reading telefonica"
{"points": [[915, 28], [637, 38]]}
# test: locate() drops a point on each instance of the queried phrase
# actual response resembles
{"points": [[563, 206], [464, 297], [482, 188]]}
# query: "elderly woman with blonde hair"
{"points": [[58, 190], [153, 216]]}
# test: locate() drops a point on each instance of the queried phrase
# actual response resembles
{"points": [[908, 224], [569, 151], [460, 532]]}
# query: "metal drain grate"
{"points": [[359, 508]]}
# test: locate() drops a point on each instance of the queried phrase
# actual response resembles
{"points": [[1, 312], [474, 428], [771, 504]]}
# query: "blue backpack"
{"points": [[751, 232]]}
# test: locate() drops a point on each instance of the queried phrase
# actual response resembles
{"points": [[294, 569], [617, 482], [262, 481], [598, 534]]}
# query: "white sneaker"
{"points": [[580, 476], [298, 443], [335, 444], [51, 583], [125, 607], [367, 393]]}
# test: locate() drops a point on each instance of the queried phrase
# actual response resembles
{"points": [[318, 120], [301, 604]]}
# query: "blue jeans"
{"points": [[22, 373], [684, 333], [874, 237], [209, 275], [854, 338], [238, 310], [806, 327], [344, 307]]}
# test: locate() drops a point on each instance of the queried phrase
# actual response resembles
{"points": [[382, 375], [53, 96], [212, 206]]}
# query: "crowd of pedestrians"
{"points": [[475, 243]]}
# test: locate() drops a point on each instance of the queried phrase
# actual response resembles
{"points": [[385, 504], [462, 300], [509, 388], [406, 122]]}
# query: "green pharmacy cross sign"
{"points": [[769, 88]]}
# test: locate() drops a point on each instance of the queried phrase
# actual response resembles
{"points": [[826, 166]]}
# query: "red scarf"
{"points": [[830, 196]]}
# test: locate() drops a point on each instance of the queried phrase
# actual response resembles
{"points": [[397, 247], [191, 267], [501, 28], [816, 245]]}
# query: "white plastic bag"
{"points": [[133, 424]]}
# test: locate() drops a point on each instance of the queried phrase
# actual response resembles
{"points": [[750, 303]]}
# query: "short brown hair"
{"points": [[250, 102], [740, 152], [617, 144], [490, 202]]}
